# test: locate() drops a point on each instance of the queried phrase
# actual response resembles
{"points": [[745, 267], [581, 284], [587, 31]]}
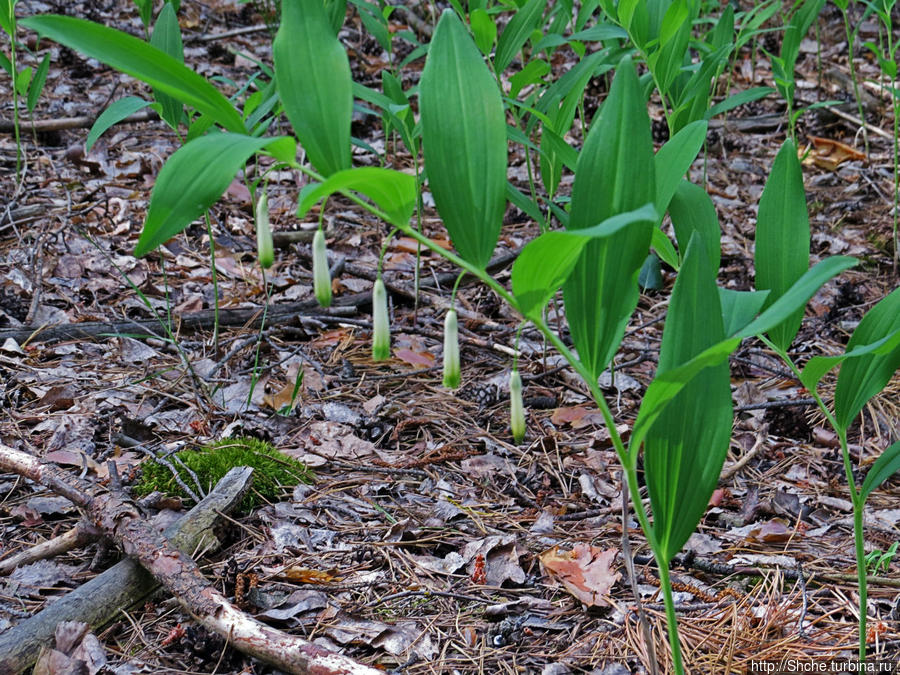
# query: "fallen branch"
{"points": [[62, 123], [120, 520], [83, 533]]}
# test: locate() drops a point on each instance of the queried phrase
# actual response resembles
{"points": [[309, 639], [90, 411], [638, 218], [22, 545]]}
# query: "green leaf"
{"points": [[615, 174], [817, 366], [733, 101], [464, 136], [542, 267], [191, 181], [686, 446], [7, 16], [313, 77], [517, 32], [136, 58], [673, 160], [392, 191], [36, 86], [533, 72], [484, 29], [674, 35], [797, 295], [740, 307], [861, 378], [167, 37], [782, 238], [887, 464], [114, 114], [660, 243], [691, 211], [546, 262]]}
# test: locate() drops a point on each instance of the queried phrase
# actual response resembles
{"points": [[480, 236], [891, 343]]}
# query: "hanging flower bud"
{"points": [[264, 248], [381, 329], [516, 408], [451, 351], [321, 276]]}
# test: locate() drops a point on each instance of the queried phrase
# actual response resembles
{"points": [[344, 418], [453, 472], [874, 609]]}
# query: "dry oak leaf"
{"points": [[585, 571], [828, 154]]}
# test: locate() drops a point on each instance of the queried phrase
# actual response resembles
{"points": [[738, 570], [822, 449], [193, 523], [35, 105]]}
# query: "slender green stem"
{"points": [[15, 93], [215, 280], [855, 498], [671, 618], [855, 79]]}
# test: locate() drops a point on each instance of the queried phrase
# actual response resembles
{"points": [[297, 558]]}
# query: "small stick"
{"points": [[83, 533]]}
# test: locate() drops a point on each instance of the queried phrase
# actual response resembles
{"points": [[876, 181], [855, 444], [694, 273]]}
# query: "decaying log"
{"points": [[123, 585], [120, 520]]}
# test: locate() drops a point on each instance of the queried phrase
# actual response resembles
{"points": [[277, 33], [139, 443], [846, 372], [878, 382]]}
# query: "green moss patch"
{"points": [[274, 473]]}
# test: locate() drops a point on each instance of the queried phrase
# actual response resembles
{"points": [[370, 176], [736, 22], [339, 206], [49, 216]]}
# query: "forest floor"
{"points": [[419, 545]]}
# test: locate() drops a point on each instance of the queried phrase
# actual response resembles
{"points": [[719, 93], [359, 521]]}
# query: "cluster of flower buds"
{"points": [[264, 247]]}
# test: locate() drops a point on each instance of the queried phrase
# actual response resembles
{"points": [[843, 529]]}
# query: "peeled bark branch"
{"points": [[120, 519]]}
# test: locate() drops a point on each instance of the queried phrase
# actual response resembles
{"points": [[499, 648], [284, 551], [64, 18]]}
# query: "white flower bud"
{"points": [[451, 351], [321, 277], [516, 407], [381, 329], [264, 247]]}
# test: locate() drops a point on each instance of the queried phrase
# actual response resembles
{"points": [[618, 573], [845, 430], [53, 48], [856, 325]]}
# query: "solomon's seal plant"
{"points": [[264, 246], [516, 407]]}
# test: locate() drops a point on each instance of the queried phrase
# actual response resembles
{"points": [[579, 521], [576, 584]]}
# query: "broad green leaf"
{"points": [[817, 366], [546, 262], [7, 16], [691, 211], [542, 267], [392, 191], [782, 238], [615, 174], [675, 32], [685, 447], [664, 248], [887, 464], [464, 136], [167, 37], [140, 60], [517, 32], [797, 296], [191, 181], [483, 29], [862, 378], [673, 160], [313, 76], [337, 12], [114, 114], [740, 307], [533, 72], [36, 86]]}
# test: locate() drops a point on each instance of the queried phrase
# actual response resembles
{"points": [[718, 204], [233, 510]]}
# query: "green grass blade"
{"points": [[464, 136], [140, 60], [312, 72], [782, 238], [615, 174], [191, 181]]}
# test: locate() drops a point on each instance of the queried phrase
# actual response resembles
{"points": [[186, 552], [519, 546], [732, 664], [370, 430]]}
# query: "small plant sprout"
{"points": [[879, 561], [516, 407], [381, 329], [451, 350], [321, 275], [264, 246]]}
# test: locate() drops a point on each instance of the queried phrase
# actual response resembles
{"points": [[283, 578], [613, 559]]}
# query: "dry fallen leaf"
{"points": [[585, 571], [828, 154]]}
